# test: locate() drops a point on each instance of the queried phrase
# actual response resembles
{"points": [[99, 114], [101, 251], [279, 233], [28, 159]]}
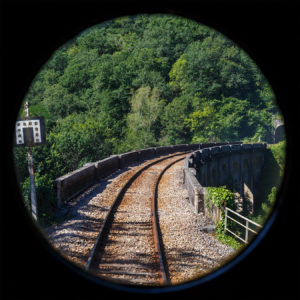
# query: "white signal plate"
{"points": [[31, 129]]}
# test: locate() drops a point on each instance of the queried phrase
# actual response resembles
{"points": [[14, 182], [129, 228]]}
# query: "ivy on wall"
{"points": [[221, 197]]}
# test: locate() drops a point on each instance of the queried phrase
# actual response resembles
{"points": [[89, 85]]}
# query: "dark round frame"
{"points": [[255, 27]]}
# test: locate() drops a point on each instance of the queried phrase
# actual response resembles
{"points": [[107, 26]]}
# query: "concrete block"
{"points": [[207, 145], [194, 146], [163, 150], [128, 158], [235, 147], [194, 190], [205, 153], [257, 146], [247, 147], [71, 184], [186, 163], [225, 149], [235, 143], [146, 153], [214, 150], [182, 147], [107, 166], [196, 155], [221, 144]]}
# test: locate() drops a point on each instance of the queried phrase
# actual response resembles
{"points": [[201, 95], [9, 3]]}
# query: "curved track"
{"points": [[129, 247]]}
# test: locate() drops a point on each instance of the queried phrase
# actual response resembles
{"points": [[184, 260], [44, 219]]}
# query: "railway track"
{"points": [[129, 248]]}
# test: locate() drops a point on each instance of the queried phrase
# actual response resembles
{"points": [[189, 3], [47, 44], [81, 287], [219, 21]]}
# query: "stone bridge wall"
{"points": [[72, 184], [235, 165]]}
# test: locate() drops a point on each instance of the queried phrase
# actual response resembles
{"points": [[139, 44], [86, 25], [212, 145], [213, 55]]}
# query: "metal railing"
{"points": [[246, 226]]}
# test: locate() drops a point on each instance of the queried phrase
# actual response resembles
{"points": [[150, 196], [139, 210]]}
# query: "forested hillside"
{"points": [[142, 81]]}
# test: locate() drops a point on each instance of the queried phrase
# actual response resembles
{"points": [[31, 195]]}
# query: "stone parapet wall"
{"points": [[107, 166], [72, 184], [232, 164]]}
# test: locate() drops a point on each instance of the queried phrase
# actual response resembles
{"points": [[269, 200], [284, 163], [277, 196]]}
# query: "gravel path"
{"points": [[190, 252]]}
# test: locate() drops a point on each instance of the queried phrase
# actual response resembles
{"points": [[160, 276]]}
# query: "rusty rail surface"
{"points": [[95, 253], [159, 247]]}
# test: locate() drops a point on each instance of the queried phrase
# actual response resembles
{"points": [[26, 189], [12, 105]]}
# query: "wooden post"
{"points": [[34, 207]]}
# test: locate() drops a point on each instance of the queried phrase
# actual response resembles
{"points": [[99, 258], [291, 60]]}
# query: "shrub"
{"points": [[221, 197], [278, 151], [45, 193], [269, 181]]}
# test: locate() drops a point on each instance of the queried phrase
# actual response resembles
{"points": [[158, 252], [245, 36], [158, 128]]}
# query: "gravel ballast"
{"points": [[190, 251]]}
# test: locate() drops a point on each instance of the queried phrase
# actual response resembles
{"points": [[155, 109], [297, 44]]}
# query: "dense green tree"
{"points": [[141, 81], [146, 107], [78, 139], [175, 128], [202, 126], [212, 68]]}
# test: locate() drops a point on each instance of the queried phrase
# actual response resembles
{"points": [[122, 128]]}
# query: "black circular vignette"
{"points": [[32, 30]]}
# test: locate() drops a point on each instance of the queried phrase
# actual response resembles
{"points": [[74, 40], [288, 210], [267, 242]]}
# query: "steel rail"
{"points": [[95, 256], [159, 246]]}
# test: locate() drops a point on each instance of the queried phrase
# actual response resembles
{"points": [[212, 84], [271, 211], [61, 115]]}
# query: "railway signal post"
{"points": [[30, 132]]}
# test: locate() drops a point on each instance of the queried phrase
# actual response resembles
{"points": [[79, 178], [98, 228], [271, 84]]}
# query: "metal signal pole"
{"points": [[31, 173]]}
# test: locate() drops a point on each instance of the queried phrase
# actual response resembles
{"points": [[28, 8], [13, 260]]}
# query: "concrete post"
{"points": [[34, 207]]}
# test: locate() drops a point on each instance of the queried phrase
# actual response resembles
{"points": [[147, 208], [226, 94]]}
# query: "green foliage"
{"points": [[44, 190], [142, 81], [227, 239], [175, 128], [278, 151], [270, 181], [266, 207], [78, 139], [146, 107], [272, 195], [201, 124], [218, 67], [220, 197], [177, 73], [25, 187], [21, 164]]}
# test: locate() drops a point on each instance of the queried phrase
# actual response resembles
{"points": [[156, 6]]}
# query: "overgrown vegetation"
{"points": [[221, 197], [137, 82], [269, 181]]}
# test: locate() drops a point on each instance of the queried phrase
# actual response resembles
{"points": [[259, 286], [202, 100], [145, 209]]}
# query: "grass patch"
{"points": [[221, 197], [229, 240]]}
